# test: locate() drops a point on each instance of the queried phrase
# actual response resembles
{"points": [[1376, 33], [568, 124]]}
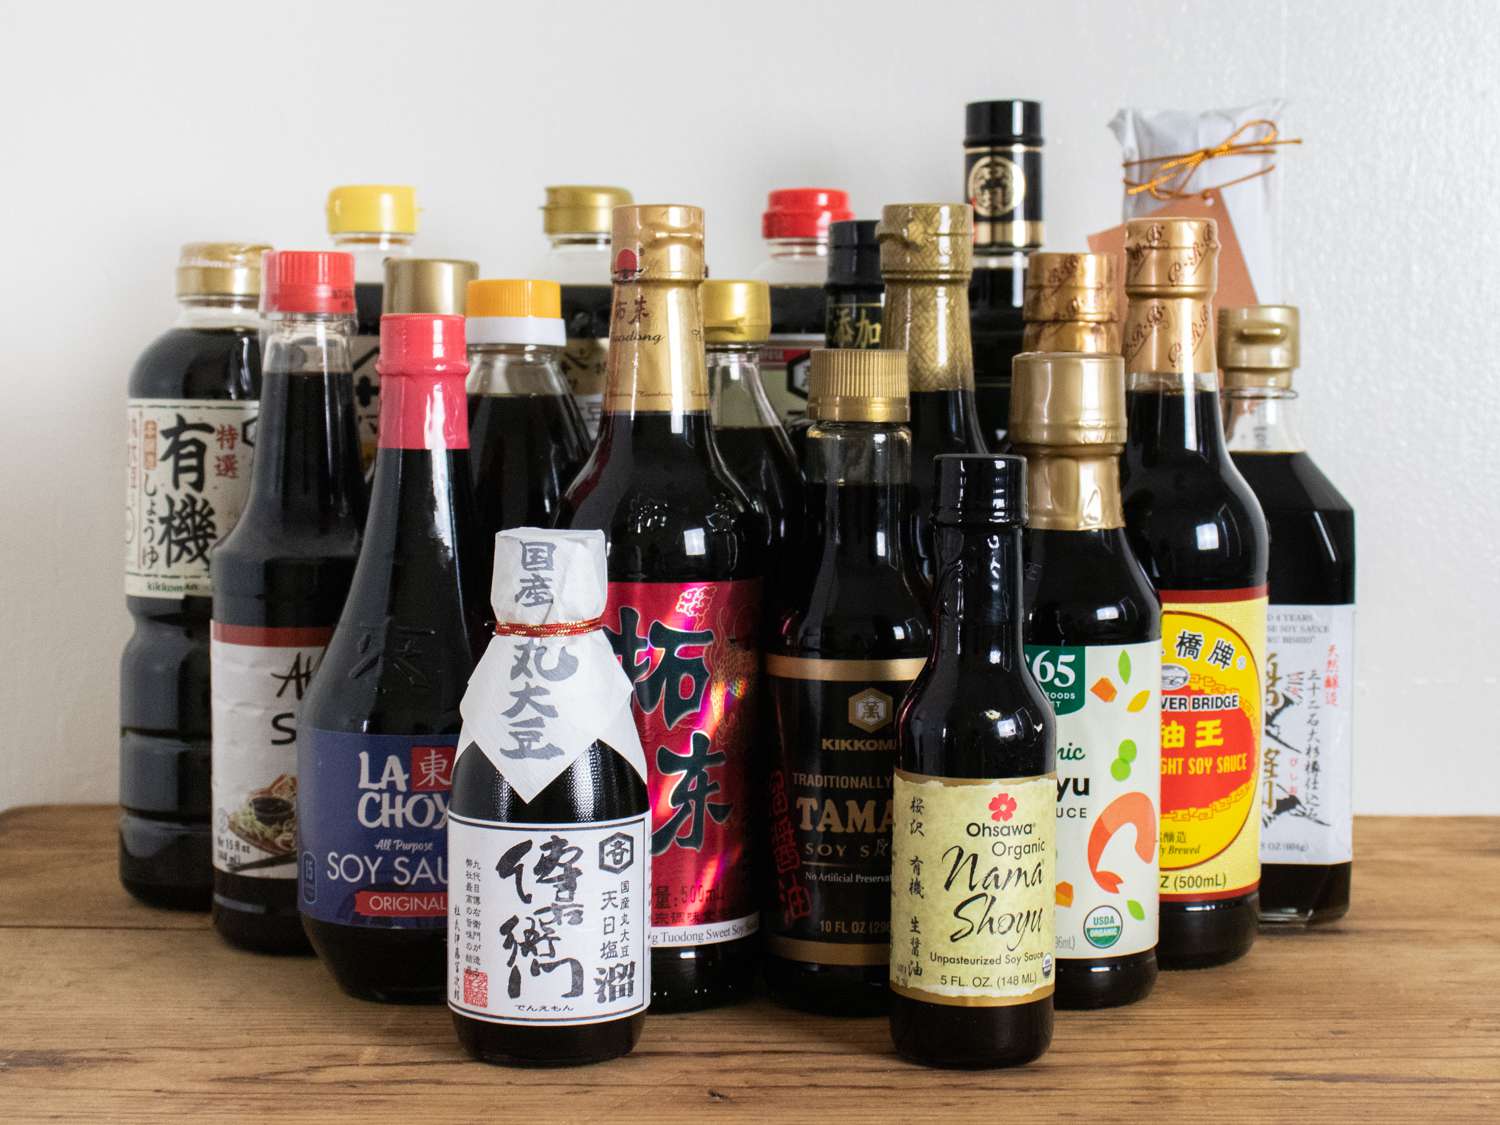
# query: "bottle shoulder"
{"points": [[1083, 588], [1289, 481], [198, 363], [976, 722]]}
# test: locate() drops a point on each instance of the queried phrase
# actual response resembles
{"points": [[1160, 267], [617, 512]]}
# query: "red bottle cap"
{"points": [[307, 281], [422, 344], [804, 212]]}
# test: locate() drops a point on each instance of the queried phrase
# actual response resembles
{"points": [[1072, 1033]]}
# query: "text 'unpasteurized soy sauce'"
{"points": [[973, 844], [379, 727]]}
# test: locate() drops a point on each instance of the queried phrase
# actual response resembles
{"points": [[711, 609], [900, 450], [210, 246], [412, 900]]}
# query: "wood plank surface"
{"points": [[115, 1012]]}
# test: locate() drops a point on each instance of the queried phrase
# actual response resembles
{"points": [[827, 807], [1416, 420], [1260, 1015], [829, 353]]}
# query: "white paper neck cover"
{"points": [[535, 703]]}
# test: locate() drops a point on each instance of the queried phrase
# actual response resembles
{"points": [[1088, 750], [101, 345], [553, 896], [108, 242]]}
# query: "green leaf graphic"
{"points": [[1119, 769], [1127, 750], [1136, 910], [1125, 666]]}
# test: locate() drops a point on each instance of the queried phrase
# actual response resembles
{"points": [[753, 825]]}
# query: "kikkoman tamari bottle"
{"points": [[844, 653], [190, 432], [686, 558], [1307, 832], [1070, 304], [280, 579], [1198, 530], [379, 725], [972, 857], [1093, 642]]}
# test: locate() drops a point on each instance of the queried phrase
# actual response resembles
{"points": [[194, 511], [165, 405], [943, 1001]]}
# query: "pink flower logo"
{"points": [[1002, 807]]}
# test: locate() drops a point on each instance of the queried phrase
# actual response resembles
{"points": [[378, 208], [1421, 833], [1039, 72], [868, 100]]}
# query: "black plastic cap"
{"points": [[853, 253], [1011, 121], [977, 488]]}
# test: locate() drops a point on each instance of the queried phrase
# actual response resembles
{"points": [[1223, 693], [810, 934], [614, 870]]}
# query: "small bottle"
{"points": [[1093, 643], [576, 220], [1070, 304], [795, 226], [526, 435], [972, 856], [549, 830], [846, 649], [1307, 831], [190, 425], [280, 579], [379, 725], [373, 222]]}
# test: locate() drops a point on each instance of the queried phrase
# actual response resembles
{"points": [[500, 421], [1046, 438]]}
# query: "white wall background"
{"points": [[127, 129]]}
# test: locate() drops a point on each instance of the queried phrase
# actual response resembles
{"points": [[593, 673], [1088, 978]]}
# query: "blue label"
{"points": [[372, 815]]}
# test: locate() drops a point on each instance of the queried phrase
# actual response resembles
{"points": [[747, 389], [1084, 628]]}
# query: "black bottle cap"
{"points": [[1010, 121], [853, 253], [977, 488]]}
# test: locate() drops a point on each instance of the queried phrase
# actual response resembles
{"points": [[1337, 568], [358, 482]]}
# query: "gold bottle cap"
{"points": [[432, 286], [1076, 287], [581, 208], [736, 312], [1172, 258], [1067, 399], [858, 385], [657, 242], [1259, 346], [926, 241], [219, 269]]}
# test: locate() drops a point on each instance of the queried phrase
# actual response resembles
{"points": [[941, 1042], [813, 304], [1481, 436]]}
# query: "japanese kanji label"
{"points": [[548, 922], [786, 366], [187, 478], [854, 323], [364, 354], [584, 361], [972, 874]]}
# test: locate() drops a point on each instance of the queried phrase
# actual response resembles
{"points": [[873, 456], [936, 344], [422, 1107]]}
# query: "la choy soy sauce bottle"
{"points": [[1198, 530], [852, 632], [190, 425], [686, 559], [280, 579], [1093, 642], [1307, 838], [972, 857], [379, 726]]}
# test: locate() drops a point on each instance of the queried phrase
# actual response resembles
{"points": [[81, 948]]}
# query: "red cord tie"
{"points": [[556, 629]]}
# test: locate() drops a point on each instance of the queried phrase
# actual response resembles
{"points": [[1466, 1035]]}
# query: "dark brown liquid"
{"points": [[941, 422], [761, 460], [995, 328], [524, 451]]}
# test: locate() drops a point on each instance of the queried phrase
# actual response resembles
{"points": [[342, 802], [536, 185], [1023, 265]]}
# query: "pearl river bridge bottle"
{"points": [[1070, 304], [1093, 642], [190, 434], [1198, 530], [851, 633], [1307, 840], [380, 723], [972, 856], [279, 582], [686, 559]]}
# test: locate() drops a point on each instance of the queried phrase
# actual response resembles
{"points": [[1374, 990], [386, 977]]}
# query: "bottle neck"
{"points": [[656, 358], [737, 395], [582, 242], [1262, 420], [978, 597], [784, 248], [370, 250], [515, 369], [858, 477], [203, 312], [1171, 378], [1073, 488], [423, 412], [929, 320]]}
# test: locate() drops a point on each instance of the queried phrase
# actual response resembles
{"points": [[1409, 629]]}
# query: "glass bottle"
{"points": [[1070, 304], [190, 426]]}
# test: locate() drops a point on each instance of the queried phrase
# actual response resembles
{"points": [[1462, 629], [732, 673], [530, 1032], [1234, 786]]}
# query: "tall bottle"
{"points": [[972, 856], [1198, 530], [379, 725], [190, 434], [373, 222], [576, 220], [1070, 304], [1003, 183], [279, 580], [1307, 832], [852, 632], [924, 257], [1093, 642], [526, 436], [686, 558]]}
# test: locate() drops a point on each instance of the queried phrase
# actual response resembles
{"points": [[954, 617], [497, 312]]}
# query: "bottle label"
{"points": [[1004, 187], [1108, 704], [972, 876], [373, 810], [831, 808], [187, 478], [689, 649], [548, 923], [585, 362], [785, 368], [364, 351], [1307, 813], [854, 323], [259, 678], [1213, 653]]}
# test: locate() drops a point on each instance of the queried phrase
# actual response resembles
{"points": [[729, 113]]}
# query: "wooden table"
{"points": [[112, 1011]]}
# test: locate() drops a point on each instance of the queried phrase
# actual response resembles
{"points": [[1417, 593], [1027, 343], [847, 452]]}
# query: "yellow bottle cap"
{"points": [[515, 297], [372, 209], [736, 312]]}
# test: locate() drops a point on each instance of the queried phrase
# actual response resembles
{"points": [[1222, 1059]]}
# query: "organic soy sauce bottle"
{"points": [[190, 426], [1093, 642], [1198, 530], [280, 579], [1307, 831], [972, 858], [686, 558], [379, 726]]}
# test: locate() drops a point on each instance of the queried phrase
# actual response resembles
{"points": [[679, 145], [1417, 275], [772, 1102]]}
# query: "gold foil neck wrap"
{"points": [[1259, 346], [1067, 400], [1077, 287], [581, 208], [926, 241], [736, 312], [1071, 336], [656, 361], [1077, 492], [926, 259], [433, 286], [1171, 258], [858, 385], [219, 269], [657, 242]]}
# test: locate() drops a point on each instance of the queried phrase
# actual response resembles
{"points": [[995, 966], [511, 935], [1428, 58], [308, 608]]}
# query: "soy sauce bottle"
{"points": [[972, 858], [1307, 836], [686, 559], [1093, 642], [280, 579], [190, 425], [379, 726]]}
